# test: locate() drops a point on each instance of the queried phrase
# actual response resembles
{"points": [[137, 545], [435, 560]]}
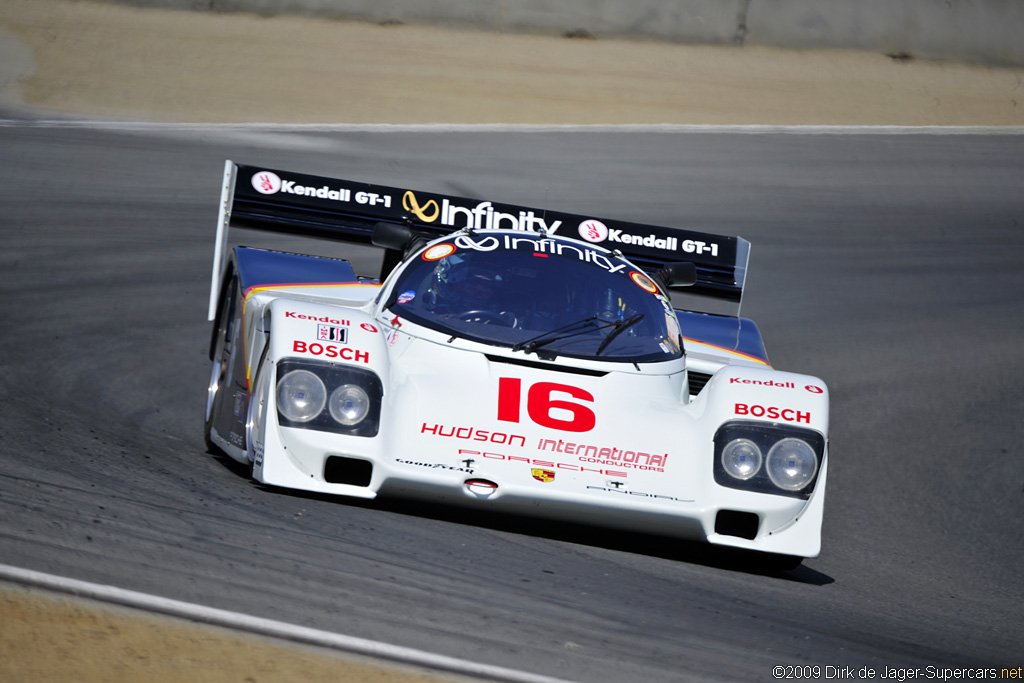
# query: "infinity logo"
{"points": [[410, 204]]}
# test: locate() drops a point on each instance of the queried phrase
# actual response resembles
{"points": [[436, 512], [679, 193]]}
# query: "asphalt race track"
{"points": [[889, 264]]}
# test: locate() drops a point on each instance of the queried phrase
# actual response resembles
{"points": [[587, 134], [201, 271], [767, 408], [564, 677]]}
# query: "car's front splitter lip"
{"points": [[787, 525]]}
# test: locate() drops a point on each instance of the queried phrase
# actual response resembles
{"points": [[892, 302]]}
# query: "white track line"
{"points": [[512, 128], [269, 627]]}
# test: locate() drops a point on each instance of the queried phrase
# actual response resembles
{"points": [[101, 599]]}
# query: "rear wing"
{"points": [[259, 198]]}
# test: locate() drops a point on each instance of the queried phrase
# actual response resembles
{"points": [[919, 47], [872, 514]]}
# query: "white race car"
{"points": [[509, 359]]}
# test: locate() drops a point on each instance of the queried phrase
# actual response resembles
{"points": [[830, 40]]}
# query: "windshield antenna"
{"points": [[544, 215]]}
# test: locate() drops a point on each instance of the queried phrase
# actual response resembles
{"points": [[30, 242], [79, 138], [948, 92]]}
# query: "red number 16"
{"points": [[539, 405]]}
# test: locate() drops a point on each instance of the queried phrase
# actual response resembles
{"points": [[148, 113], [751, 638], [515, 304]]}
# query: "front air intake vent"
{"points": [[736, 523], [351, 471], [697, 381]]}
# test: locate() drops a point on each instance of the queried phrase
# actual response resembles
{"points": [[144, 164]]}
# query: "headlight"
{"points": [[791, 464], [349, 404], [328, 397], [779, 459], [741, 458], [301, 395]]}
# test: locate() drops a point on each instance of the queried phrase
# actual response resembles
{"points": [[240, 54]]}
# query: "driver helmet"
{"points": [[480, 287], [472, 287]]}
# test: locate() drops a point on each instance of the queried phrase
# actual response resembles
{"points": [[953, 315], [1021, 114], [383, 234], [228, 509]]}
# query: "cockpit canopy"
{"points": [[539, 294]]}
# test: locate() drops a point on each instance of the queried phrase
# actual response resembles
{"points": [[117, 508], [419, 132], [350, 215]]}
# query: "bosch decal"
{"points": [[771, 412], [331, 351]]}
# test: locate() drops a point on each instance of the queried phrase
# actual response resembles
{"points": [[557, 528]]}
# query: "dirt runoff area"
{"points": [[93, 59], [47, 636]]}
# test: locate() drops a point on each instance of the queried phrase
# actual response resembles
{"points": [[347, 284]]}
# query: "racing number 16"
{"points": [[540, 405]]}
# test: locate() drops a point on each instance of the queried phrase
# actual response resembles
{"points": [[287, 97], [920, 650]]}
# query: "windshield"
{"points": [[538, 295]]}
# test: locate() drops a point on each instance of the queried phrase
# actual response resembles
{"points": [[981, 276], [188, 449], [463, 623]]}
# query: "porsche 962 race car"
{"points": [[509, 359]]}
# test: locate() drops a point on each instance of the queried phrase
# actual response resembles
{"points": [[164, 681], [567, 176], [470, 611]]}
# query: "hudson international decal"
{"points": [[473, 434], [771, 412], [617, 457], [268, 182], [480, 217], [513, 440], [331, 351], [596, 232]]}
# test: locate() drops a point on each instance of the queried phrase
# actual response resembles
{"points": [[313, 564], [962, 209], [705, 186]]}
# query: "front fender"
{"points": [[337, 335], [766, 395]]}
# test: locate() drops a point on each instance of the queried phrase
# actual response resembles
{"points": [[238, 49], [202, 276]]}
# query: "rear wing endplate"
{"points": [[282, 201]]}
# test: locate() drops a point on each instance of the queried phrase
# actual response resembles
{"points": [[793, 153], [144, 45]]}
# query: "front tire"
{"points": [[256, 419], [221, 352]]}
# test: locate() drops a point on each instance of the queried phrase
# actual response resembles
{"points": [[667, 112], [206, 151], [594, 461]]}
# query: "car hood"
{"points": [[449, 405]]}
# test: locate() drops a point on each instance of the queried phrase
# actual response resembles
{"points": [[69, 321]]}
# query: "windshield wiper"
{"points": [[620, 327], [564, 332]]}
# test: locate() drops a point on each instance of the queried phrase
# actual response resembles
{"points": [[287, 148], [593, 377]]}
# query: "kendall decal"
{"points": [[267, 182], [595, 231]]}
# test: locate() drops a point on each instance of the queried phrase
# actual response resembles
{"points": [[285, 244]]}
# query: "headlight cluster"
{"points": [[777, 459], [327, 397]]}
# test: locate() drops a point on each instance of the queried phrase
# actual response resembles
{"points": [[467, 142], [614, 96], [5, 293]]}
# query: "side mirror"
{"points": [[677, 274], [392, 236], [398, 241]]}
